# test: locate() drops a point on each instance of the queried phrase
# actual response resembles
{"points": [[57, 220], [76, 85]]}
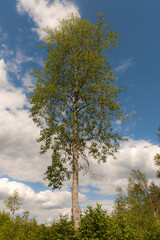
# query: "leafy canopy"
{"points": [[76, 69], [137, 211]]}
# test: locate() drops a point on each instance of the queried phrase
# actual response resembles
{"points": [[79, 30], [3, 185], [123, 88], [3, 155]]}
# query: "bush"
{"points": [[96, 224], [63, 229]]}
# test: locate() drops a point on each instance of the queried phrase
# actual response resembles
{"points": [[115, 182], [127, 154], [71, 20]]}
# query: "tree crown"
{"points": [[77, 70]]}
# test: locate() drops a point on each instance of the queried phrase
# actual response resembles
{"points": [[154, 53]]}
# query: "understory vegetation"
{"points": [[135, 216]]}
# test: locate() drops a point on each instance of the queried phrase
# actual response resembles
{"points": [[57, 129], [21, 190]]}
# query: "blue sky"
{"points": [[136, 65]]}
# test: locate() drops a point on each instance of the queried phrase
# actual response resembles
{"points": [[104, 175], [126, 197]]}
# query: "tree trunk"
{"points": [[75, 204]]}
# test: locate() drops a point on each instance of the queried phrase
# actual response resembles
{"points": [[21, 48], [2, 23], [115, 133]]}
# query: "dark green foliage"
{"points": [[18, 229], [63, 229], [96, 224], [136, 212], [154, 195]]}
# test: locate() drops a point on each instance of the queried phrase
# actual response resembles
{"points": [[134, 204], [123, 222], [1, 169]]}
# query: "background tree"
{"points": [[157, 157], [136, 211], [13, 202], [154, 197], [76, 99]]}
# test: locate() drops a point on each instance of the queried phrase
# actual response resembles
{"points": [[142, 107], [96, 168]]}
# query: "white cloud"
{"points": [[10, 97], [124, 65], [3, 74], [44, 205], [132, 155], [44, 13], [19, 152]]}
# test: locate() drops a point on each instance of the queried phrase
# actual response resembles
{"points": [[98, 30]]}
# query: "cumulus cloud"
{"points": [[10, 97], [45, 13], [45, 205], [132, 155], [19, 152], [3, 74]]}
